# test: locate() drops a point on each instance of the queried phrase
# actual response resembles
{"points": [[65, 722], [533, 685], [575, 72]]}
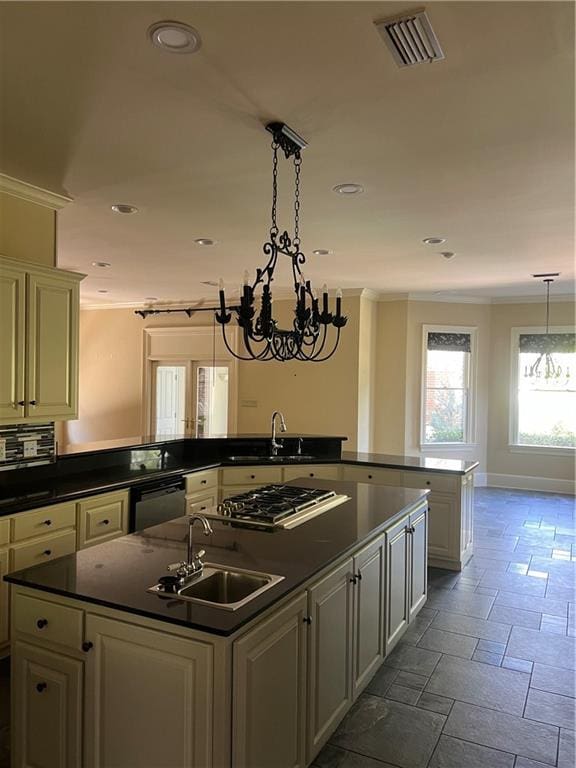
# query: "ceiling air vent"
{"points": [[411, 39]]}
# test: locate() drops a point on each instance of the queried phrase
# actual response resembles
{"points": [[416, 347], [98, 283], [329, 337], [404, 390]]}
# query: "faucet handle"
{"points": [[200, 555], [175, 566]]}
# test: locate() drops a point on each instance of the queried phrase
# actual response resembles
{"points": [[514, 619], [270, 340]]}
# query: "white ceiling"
{"points": [[478, 148]]}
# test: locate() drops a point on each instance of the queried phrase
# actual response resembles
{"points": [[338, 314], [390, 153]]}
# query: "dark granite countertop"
{"points": [[410, 463], [118, 573]]}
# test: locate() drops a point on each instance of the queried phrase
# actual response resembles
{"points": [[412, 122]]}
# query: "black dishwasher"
{"points": [[155, 502]]}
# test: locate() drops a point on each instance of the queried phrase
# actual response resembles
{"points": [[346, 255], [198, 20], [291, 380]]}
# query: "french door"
{"points": [[190, 398]]}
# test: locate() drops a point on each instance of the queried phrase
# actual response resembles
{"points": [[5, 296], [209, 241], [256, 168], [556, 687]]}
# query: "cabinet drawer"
{"points": [[42, 550], [436, 482], [4, 532], [372, 475], [251, 475], [321, 471], [27, 525], [199, 503], [102, 518], [200, 481], [47, 621]]}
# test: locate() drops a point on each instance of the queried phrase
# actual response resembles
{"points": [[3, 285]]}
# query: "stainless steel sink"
{"points": [[275, 459], [223, 587]]}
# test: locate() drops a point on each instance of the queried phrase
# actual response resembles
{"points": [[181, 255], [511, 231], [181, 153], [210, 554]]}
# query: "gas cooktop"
{"points": [[278, 506]]}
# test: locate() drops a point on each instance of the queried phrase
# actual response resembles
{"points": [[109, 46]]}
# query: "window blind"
{"points": [[553, 342], [450, 342]]}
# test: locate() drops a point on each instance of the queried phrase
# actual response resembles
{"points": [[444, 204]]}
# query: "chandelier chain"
{"points": [[297, 167], [274, 227]]}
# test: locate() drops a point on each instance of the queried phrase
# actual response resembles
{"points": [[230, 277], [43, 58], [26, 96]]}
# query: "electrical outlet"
{"points": [[2, 450], [30, 448]]}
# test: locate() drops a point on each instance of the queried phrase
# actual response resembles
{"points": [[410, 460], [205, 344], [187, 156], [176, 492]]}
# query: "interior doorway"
{"points": [[190, 397]]}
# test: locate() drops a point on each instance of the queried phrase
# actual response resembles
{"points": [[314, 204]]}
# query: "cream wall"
{"points": [[315, 398], [501, 459], [27, 230], [389, 410]]}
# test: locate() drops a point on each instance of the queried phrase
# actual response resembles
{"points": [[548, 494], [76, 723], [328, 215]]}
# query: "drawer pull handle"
{"points": [[47, 522], [87, 646], [41, 623], [106, 522], [41, 687], [307, 620], [33, 402], [47, 552], [203, 482]]}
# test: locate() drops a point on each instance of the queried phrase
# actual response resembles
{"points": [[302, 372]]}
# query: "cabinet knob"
{"points": [[47, 522], [359, 576], [106, 522], [87, 646], [41, 687], [47, 552], [311, 474], [307, 620], [41, 623], [428, 482], [252, 477], [203, 482], [369, 477], [21, 402], [353, 579], [33, 402]]}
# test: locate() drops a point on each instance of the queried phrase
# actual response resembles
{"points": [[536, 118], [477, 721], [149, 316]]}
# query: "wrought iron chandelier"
{"points": [[263, 339], [545, 366]]}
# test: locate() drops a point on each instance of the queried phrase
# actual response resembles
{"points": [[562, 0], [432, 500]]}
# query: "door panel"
{"points": [[369, 605], [397, 583], [52, 357], [418, 563], [12, 323], [330, 655], [47, 708]]}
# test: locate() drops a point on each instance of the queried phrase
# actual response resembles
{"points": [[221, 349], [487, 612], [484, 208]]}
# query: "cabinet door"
{"points": [[442, 520], [101, 518], [47, 690], [467, 516], [418, 562], [397, 577], [269, 716], [52, 356], [369, 602], [330, 655], [148, 698], [12, 323], [3, 598]]}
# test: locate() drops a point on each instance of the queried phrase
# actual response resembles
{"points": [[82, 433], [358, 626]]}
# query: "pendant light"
{"points": [[315, 331], [545, 366]]}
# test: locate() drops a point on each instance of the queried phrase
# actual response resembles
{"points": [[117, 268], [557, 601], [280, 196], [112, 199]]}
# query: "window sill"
{"points": [[448, 446], [552, 450]]}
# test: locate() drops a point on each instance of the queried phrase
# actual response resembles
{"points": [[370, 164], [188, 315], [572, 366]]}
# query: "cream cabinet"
{"points": [[102, 517], [330, 605], [39, 308], [148, 698], [269, 688], [317, 471], [201, 491], [47, 709], [369, 612]]}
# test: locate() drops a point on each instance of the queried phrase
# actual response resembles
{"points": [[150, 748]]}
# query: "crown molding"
{"points": [[32, 194], [560, 298]]}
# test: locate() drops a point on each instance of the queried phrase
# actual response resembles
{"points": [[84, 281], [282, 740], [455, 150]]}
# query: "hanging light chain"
{"points": [[297, 167], [274, 227]]}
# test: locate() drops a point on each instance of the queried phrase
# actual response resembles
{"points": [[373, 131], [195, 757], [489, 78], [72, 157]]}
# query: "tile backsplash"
{"points": [[26, 445]]}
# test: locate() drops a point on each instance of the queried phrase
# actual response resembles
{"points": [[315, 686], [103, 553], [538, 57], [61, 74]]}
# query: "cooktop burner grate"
{"points": [[272, 503]]}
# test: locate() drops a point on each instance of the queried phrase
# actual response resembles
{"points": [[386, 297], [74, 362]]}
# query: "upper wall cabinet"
{"points": [[39, 317]]}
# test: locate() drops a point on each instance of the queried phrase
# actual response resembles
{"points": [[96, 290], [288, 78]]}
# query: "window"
{"points": [[447, 402], [543, 407]]}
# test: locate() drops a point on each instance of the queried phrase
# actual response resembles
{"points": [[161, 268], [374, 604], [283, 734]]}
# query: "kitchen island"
{"points": [[107, 673]]}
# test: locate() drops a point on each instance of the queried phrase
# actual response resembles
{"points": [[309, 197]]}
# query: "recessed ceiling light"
{"points": [[151, 298], [321, 252], [447, 254], [101, 290], [102, 264], [209, 282], [122, 208], [348, 189], [175, 37], [204, 241], [434, 240]]}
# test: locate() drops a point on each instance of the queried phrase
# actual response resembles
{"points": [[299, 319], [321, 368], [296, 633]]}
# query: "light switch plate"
{"points": [[30, 448], [2, 449]]}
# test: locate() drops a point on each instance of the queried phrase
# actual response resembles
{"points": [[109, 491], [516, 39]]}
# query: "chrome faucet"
{"points": [[275, 444], [194, 563]]}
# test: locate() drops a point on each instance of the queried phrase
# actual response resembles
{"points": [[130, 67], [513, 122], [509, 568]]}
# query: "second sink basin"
{"points": [[223, 587]]}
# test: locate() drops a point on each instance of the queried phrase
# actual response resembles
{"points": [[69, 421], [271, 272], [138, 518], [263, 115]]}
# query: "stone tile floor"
{"points": [[485, 677]]}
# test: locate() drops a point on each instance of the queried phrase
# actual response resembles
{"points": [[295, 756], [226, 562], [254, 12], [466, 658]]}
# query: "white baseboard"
{"points": [[480, 479], [528, 483]]}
